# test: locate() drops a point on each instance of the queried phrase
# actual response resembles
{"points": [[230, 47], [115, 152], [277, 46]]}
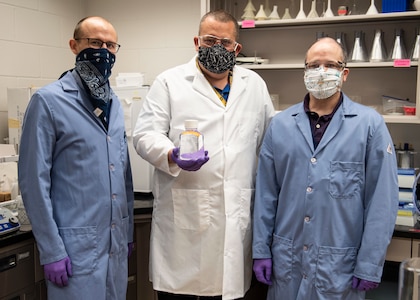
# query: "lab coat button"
{"points": [[111, 167], [305, 248], [309, 189], [307, 219], [313, 160]]}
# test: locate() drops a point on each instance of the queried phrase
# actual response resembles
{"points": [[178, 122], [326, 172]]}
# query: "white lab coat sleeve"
{"points": [[380, 204], [265, 206], [152, 129]]}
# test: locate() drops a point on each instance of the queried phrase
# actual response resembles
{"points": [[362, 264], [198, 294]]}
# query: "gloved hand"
{"points": [[58, 272], [363, 285], [130, 248], [190, 165], [262, 269]]}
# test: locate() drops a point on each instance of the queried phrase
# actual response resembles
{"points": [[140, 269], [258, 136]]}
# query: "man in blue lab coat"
{"points": [[75, 176], [326, 191]]}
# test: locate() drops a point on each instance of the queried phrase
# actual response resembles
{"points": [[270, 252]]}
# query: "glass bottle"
{"points": [[191, 141]]}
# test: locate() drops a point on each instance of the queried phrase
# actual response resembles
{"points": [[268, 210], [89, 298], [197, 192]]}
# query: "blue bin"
{"points": [[395, 5]]}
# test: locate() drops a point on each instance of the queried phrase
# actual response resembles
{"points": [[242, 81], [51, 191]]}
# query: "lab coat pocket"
{"points": [[191, 209], [282, 258], [81, 246], [345, 179], [335, 269]]}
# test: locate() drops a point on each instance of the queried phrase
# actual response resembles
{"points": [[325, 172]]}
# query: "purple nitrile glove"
{"points": [[130, 248], [194, 163], [262, 269], [58, 272], [363, 285]]}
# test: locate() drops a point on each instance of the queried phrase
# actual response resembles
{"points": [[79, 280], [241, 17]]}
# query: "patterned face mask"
{"points": [[94, 67], [216, 59], [321, 83]]}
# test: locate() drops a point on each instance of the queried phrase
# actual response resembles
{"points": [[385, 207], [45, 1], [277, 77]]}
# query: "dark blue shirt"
{"points": [[318, 123]]}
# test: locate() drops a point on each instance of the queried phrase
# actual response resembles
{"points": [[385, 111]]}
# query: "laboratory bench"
{"points": [[19, 259], [405, 244]]}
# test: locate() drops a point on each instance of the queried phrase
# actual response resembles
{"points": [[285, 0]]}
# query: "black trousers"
{"points": [[169, 296]]}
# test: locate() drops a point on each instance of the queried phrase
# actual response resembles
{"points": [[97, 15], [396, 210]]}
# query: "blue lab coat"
{"points": [[76, 184], [325, 214]]}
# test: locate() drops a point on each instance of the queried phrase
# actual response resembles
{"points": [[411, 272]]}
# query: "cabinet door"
{"points": [[399, 249], [144, 286], [415, 251]]}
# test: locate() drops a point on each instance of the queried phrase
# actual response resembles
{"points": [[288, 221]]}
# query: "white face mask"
{"points": [[322, 83]]}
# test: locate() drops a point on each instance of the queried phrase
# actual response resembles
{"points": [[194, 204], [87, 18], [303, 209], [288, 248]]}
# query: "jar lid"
{"points": [[191, 124]]}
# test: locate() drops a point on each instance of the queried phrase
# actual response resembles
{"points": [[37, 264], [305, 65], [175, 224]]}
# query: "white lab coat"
{"points": [[201, 227]]}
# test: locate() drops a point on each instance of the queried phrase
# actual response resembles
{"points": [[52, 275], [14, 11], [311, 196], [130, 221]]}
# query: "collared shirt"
{"points": [[225, 92], [318, 123]]}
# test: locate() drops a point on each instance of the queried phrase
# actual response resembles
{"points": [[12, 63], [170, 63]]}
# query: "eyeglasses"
{"points": [[338, 65], [97, 44], [211, 40]]}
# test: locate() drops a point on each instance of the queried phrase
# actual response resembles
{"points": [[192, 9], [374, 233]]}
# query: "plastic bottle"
{"points": [[191, 141]]}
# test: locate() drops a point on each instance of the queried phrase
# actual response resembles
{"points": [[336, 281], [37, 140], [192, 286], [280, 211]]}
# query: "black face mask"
{"points": [[94, 68], [216, 59]]}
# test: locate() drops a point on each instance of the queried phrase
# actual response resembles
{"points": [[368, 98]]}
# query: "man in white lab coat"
{"points": [[201, 227]]}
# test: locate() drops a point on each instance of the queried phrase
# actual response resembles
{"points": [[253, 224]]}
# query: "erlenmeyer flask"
{"points": [[329, 13], [358, 53], [378, 52], [372, 8], [313, 13], [398, 50], [274, 15], [415, 51], [301, 14], [261, 14], [286, 14], [340, 37]]}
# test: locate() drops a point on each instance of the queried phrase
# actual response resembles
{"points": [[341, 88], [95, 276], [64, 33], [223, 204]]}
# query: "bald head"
{"points": [[326, 48], [92, 28]]}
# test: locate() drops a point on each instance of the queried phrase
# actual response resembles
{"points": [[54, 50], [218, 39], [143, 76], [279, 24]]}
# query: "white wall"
{"points": [[34, 35]]}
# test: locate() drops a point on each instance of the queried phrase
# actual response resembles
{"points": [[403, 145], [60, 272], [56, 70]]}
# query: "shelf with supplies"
{"points": [[283, 45], [381, 17]]}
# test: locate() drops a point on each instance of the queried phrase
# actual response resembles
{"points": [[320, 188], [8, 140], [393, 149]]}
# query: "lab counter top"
{"points": [[143, 205]]}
